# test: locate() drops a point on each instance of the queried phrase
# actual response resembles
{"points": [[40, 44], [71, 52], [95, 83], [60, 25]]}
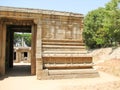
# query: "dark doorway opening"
{"points": [[25, 54], [10, 66], [14, 56]]}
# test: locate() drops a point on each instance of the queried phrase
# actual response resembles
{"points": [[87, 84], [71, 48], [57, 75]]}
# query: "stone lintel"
{"points": [[39, 11]]}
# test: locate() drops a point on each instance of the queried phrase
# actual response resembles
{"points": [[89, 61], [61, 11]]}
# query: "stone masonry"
{"points": [[57, 49]]}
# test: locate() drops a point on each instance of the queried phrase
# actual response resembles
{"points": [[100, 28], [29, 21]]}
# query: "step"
{"points": [[64, 43], [65, 40], [68, 66], [64, 52], [68, 61], [71, 73], [59, 46], [63, 49], [63, 55]]}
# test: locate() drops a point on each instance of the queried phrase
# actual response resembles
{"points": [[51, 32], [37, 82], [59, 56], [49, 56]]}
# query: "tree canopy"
{"points": [[26, 38], [102, 26]]}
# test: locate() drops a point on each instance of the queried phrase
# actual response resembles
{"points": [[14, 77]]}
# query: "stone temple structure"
{"points": [[22, 54], [57, 49]]}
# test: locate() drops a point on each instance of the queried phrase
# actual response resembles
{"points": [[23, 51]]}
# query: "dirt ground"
{"points": [[109, 79], [14, 80], [110, 66]]}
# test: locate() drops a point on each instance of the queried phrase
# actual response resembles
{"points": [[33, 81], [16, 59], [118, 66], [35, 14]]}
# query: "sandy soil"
{"points": [[19, 79], [107, 62], [110, 66]]}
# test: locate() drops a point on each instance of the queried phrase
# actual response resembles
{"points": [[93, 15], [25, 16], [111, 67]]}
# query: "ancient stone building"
{"points": [[57, 49], [22, 54]]}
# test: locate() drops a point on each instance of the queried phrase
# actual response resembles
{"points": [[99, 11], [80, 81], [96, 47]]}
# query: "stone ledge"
{"points": [[68, 74], [40, 11]]}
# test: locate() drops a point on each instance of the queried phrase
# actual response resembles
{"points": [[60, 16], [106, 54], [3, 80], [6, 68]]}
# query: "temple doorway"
{"points": [[19, 59]]}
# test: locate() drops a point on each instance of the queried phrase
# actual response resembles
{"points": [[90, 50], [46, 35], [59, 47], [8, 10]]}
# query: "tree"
{"points": [[27, 39], [102, 26], [93, 28], [18, 38], [112, 22]]}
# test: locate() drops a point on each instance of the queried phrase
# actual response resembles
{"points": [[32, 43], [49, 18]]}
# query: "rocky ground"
{"points": [[107, 62]]}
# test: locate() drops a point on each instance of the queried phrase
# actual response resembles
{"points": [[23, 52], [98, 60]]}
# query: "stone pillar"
{"points": [[11, 49], [17, 56], [29, 56], [3, 48], [0, 48], [39, 62], [33, 50]]}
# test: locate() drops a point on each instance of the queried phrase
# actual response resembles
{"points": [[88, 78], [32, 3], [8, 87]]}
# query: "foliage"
{"points": [[26, 37], [102, 26], [17, 38]]}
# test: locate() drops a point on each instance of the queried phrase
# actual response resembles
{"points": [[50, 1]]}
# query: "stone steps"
{"points": [[63, 44], [63, 55], [65, 41], [68, 66], [63, 47], [60, 49], [59, 46], [64, 52], [70, 73]]}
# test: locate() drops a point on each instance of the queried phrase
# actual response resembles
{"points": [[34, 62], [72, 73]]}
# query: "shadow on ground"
{"points": [[17, 71]]}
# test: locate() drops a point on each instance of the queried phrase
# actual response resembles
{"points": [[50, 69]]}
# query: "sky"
{"points": [[76, 6]]}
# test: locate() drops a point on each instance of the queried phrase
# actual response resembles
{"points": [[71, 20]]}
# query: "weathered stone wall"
{"points": [[61, 27]]}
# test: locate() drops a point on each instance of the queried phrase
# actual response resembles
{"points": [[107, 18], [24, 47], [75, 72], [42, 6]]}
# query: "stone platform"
{"points": [[69, 74]]}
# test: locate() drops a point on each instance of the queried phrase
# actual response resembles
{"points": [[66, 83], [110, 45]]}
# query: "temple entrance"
{"points": [[22, 54]]}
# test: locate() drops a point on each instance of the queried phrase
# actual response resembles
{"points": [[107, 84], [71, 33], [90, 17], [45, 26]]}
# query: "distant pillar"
{"points": [[29, 56], [17, 56]]}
